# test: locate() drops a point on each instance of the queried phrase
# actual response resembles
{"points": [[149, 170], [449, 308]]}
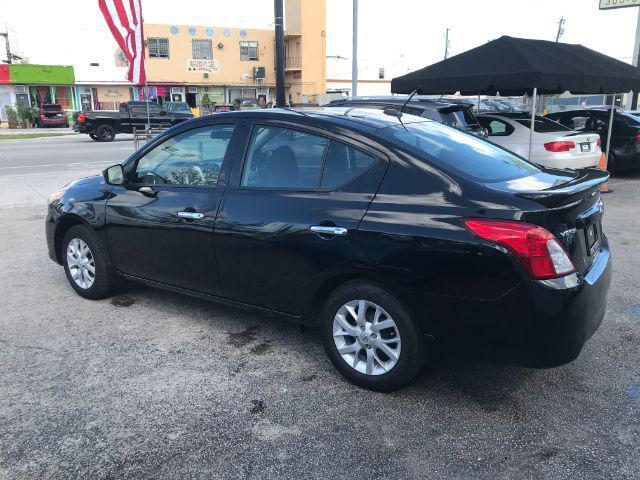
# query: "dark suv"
{"points": [[625, 134], [386, 232], [458, 115]]}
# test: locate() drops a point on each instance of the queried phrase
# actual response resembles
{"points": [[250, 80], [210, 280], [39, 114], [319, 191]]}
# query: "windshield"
{"points": [[543, 125], [456, 151]]}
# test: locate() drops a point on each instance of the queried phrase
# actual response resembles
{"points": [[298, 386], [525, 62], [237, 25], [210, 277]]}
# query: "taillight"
{"points": [[638, 137], [562, 146], [537, 249], [599, 143], [81, 118]]}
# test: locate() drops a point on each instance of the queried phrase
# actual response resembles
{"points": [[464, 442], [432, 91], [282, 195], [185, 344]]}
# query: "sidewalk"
{"points": [[21, 131]]}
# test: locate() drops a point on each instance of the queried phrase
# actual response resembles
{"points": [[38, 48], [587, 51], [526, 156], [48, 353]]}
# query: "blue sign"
{"points": [[209, 32], [226, 32], [174, 30], [192, 31]]}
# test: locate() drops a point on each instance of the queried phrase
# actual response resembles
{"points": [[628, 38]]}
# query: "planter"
{"points": [[23, 124], [13, 124]]}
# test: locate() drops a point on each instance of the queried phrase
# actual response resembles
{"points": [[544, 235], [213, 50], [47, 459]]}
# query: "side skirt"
{"points": [[216, 299]]}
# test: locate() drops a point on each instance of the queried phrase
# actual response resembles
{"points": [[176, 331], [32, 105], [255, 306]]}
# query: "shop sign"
{"points": [[607, 4], [208, 66]]}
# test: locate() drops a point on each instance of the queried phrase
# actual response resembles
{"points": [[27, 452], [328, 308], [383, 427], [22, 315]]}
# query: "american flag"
{"points": [[124, 18]]}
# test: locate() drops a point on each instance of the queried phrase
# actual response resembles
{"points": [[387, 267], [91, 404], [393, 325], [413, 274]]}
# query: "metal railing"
{"points": [[293, 62], [144, 134]]}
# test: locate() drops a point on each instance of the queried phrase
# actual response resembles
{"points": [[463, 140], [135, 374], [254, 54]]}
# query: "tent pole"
{"points": [[613, 107], [533, 119], [478, 102]]}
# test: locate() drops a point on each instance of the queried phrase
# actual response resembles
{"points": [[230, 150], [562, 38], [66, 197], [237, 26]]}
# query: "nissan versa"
{"points": [[387, 231]]}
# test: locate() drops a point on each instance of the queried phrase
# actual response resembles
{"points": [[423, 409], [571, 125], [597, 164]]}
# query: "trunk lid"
{"points": [[570, 208]]}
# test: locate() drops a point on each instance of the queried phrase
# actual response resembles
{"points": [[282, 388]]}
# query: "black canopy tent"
{"points": [[518, 66]]}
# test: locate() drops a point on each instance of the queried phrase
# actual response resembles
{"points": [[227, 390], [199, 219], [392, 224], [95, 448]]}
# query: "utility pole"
{"points": [[10, 56], [560, 28], [446, 44], [354, 55], [279, 23], [636, 62]]}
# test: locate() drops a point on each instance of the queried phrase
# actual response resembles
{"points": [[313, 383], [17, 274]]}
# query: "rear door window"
{"points": [[458, 152], [284, 158], [495, 127]]}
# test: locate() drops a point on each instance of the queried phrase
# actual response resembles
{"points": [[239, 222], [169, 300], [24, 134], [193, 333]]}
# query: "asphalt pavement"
{"points": [[31, 169], [150, 384]]}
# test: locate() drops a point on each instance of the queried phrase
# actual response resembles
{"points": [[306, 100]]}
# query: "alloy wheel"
{"points": [[81, 263], [366, 337]]}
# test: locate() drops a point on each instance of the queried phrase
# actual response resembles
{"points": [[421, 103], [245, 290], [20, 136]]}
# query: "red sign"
{"points": [[4, 73]]}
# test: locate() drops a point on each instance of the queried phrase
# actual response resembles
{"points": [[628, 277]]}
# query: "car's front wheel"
{"points": [[370, 337], [85, 263], [94, 137]]}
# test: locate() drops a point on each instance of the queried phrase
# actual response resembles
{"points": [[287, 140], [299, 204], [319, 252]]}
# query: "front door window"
{"points": [[191, 158]]}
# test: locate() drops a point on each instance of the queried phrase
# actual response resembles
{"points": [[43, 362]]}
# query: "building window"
{"points": [[201, 49], [381, 73], [249, 51], [158, 47]]}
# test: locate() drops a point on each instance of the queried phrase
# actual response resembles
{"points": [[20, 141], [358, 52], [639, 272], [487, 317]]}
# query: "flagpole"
{"points": [[146, 82]]}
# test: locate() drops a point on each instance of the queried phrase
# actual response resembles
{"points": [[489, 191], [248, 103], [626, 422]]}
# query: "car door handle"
{"points": [[326, 230], [191, 215], [148, 191]]}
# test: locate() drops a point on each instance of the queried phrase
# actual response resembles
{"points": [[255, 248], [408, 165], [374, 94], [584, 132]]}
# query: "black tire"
{"points": [[106, 133], [412, 347], [94, 137], [105, 278]]}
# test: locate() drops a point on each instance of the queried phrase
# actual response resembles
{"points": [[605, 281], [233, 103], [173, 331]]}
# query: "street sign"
{"points": [[609, 4]]}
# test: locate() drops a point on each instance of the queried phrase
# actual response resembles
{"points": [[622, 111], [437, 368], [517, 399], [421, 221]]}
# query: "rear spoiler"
{"points": [[456, 107], [585, 184]]}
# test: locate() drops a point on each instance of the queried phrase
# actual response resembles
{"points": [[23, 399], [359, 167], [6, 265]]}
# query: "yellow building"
{"points": [[187, 62]]}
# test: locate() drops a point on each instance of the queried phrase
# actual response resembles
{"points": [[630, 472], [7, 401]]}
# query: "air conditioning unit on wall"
{"points": [[192, 89], [176, 89], [21, 89]]}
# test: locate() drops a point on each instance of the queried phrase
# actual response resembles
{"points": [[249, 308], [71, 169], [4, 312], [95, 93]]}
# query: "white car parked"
{"points": [[554, 145]]}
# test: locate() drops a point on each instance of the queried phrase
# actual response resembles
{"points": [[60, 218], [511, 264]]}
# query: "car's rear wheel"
{"points": [[85, 263], [370, 337], [106, 133]]}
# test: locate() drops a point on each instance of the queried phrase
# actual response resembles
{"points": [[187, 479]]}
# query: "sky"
{"points": [[400, 35]]}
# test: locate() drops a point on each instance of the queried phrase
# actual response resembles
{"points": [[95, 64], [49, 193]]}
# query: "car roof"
{"points": [[416, 101], [364, 120]]}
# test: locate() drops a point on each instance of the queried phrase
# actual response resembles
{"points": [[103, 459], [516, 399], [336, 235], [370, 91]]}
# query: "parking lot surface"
{"points": [[150, 384]]}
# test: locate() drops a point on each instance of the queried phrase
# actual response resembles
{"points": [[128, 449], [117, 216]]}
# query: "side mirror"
{"points": [[114, 175]]}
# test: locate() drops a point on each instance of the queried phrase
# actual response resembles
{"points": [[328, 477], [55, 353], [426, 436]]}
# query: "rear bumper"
{"points": [[570, 161], [53, 121], [626, 160], [537, 324]]}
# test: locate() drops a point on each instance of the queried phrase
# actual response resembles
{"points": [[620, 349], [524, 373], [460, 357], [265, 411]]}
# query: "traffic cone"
{"points": [[604, 188]]}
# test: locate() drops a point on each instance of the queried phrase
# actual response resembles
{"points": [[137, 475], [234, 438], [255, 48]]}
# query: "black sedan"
{"points": [[387, 231], [624, 154]]}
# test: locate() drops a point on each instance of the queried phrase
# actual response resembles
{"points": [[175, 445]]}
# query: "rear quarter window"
{"points": [[458, 152]]}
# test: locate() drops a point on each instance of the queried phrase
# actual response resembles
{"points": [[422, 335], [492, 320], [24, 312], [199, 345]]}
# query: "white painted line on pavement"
{"points": [[56, 165]]}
